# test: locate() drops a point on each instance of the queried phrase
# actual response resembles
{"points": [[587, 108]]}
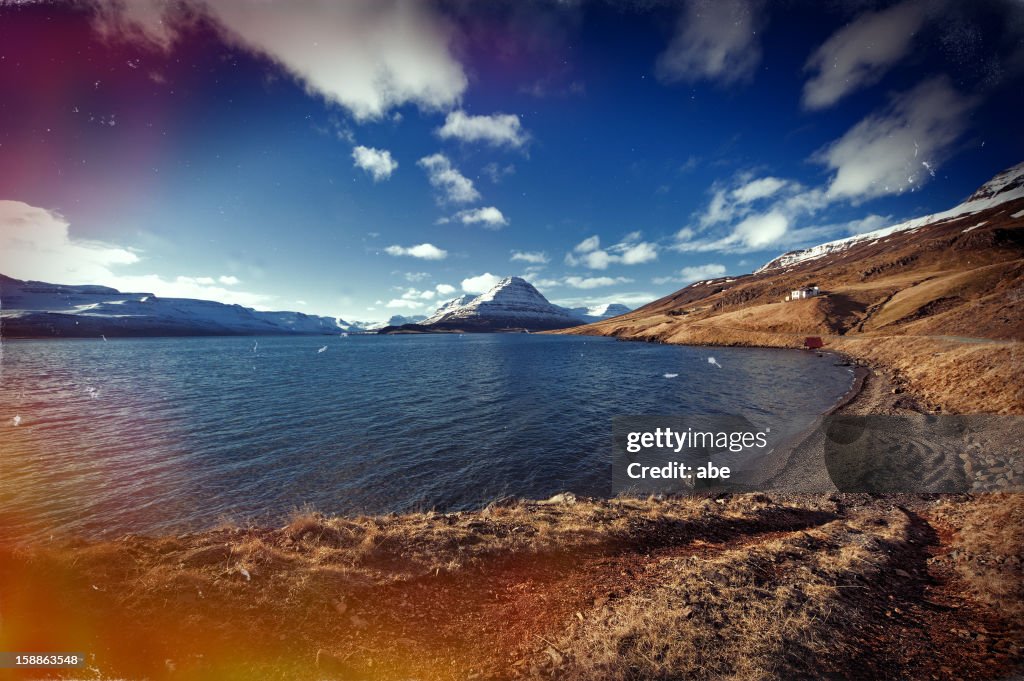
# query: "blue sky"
{"points": [[365, 159]]}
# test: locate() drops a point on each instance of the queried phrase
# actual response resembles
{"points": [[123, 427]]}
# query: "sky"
{"points": [[377, 157]]}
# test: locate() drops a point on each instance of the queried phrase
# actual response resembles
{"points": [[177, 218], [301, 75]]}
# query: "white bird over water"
{"points": [[712, 360], [16, 420], [323, 349], [103, 337]]}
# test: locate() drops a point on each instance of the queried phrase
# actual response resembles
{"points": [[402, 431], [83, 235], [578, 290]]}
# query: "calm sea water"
{"points": [[154, 435]]}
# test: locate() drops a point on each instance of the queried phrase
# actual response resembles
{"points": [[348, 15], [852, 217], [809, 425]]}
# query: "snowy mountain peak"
{"points": [[607, 310], [1006, 181], [510, 304]]}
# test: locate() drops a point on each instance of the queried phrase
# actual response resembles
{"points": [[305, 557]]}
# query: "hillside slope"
{"points": [[937, 301]]}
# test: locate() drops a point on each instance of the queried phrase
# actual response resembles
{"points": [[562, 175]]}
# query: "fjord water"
{"points": [[161, 435]]}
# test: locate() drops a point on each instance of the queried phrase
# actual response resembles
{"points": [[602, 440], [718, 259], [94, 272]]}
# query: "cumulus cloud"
{"points": [[416, 294], [860, 53], [630, 251], [490, 217], [367, 55], [495, 129], [532, 257], [36, 244], [757, 231], [423, 251], [695, 273], [895, 149], [480, 283], [443, 176], [445, 289], [377, 162], [594, 282], [636, 253], [715, 40], [760, 231]]}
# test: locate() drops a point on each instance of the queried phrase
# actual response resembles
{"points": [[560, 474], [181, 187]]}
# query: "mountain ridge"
{"points": [[35, 309]]}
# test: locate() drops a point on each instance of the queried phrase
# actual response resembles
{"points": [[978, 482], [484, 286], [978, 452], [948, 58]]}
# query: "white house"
{"points": [[807, 292]]}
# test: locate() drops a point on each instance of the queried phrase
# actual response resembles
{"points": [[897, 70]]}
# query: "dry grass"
{"points": [[985, 542], [744, 587]]}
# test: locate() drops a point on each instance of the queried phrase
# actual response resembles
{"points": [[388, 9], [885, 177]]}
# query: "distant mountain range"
{"points": [[34, 309], [512, 304]]}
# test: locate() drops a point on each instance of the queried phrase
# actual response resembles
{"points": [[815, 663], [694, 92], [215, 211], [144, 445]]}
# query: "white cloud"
{"points": [[695, 273], [868, 224], [533, 257], [367, 55], [495, 129], [228, 280], [423, 251], [714, 40], [594, 282], [860, 53], [629, 251], [416, 294], [886, 152], [403, 304], [631, 299], [415, 277], [591, 243], [377, 162], [760, 231], [755, 232], [36, 244], [757, 189], [480, 283], [636, 254], [445, 289], [490, 217], [444, 176]]}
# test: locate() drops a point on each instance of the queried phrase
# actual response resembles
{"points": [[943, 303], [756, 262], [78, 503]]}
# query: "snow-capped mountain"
{"points": [[37, 309], [585, 314], [596, 313], [1006, 186], [398, 319], [449, 306], [395, 320], [513, 303]]}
